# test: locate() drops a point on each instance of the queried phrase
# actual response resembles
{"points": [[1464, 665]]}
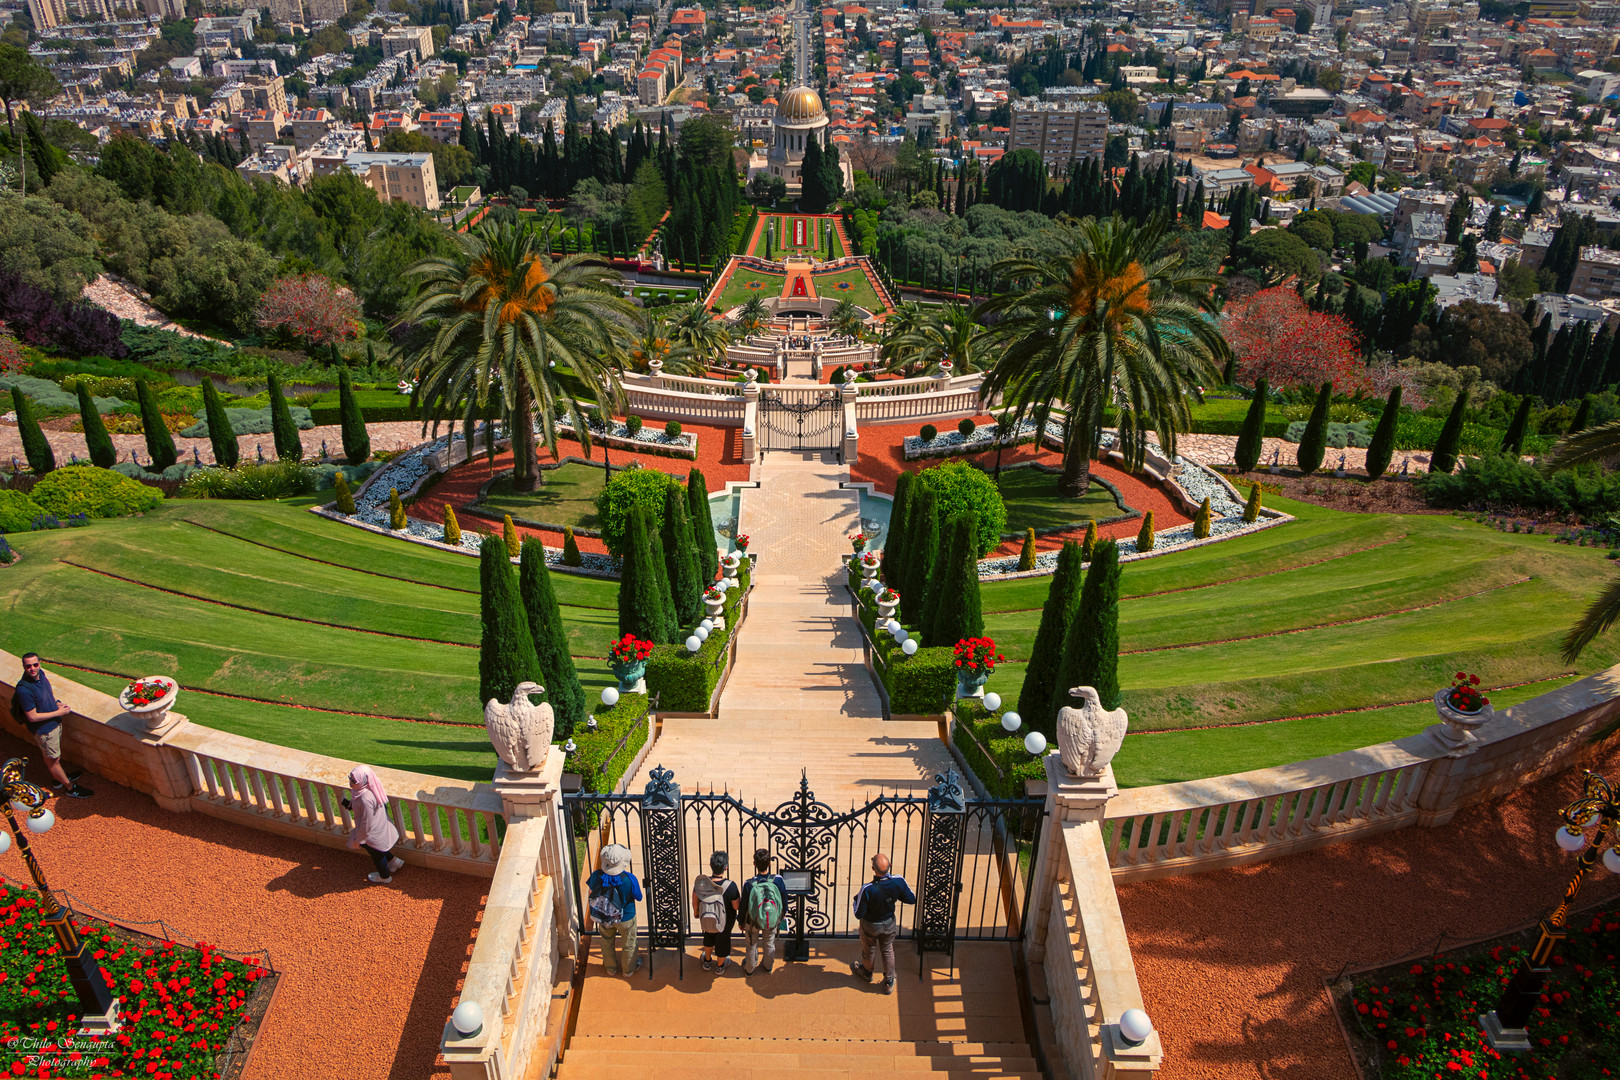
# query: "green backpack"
{"points": [[765, 905]]}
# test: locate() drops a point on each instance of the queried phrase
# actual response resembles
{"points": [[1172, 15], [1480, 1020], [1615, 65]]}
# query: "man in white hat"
{"points": [[611, 906]]}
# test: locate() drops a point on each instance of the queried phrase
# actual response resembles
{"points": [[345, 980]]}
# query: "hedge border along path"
{"points": [[356, 688], [386, 436]]}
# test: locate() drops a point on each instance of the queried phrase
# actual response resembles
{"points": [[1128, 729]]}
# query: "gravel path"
{"points": [[1218, 449], [114, 294], [369, 973], [1232, 962]]}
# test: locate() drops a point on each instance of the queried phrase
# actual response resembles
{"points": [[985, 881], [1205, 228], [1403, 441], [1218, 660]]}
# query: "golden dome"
{"points": [[800, 104]]}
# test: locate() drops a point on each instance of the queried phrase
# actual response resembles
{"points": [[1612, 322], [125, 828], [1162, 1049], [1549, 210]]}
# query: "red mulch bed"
{"points": [[882, 460]]}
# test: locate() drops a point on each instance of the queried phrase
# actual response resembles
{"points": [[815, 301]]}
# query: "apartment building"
{"points": [[1597, 275], [406, 177], [1060, 132]]}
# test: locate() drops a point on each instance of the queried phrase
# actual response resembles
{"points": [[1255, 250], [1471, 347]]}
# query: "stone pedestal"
{"points": [[1068, 799], [538, 794], [529, 794], [171, 782]]}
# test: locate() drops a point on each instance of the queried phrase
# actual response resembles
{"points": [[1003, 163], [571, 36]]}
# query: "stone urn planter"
{"points": [[150, 698], [629, 673], [970, 684], [1459, 725], [869, 569], [885, 607]]}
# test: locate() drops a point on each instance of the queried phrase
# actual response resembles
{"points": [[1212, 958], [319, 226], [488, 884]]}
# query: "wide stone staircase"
{"points": [[805, 1019]]}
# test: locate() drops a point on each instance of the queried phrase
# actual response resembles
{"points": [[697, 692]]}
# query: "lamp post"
{"points": [[99, 1010], [1596, 809]]}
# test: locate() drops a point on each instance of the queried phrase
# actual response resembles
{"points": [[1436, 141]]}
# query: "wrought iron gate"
{"points": [[969, 862], [800, 422]]}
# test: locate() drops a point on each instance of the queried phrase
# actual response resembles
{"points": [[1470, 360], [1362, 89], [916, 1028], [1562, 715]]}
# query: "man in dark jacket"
{"points": [[874, 907]]}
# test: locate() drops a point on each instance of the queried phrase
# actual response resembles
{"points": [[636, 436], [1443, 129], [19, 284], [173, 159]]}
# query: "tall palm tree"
{"points": [[1095, 321], [947, 333], [697, 328], [657, 341], [752, 316], [1600, 444], [846, 319], [492, 324]]}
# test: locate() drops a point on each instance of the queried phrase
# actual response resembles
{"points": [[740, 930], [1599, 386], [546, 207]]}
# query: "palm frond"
{"points": [[1596, 619]]}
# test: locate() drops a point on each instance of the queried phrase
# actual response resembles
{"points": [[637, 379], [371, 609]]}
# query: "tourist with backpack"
{"points": [[611, 906], [874, 907], [714, 906], [764, 899]]}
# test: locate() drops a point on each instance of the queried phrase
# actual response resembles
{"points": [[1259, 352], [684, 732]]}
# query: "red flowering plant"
{"points": [[1464, 697], [11, 354], [976, 654], [147, 691], [1420, 1019], [629, 649], [177, 1005], [889, 596], [713, 594], [310, 308], [858, 541], [742, 541]]}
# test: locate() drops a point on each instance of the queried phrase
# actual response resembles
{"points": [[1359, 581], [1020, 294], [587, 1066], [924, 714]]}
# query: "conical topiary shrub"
{"points": [[1313, 442], [159, 443], [506, 648], [1251, 438], [934, 595], [1518, 427], [396, 511], [1091, 647], [342, 497], [894, 544], [452, 527], [509, 535], [1381, 447], [680, 560], [1040, 675], [1026, 554], [36, 447], [697, 507], [959, 614], [96, 440], [643, 603], [570, 555], [924, 558], [1444, 457], [220, 434], [1583, 416], [1089, 545], [546, 625], [288, 445], [356, 442], [1251, 509], [1201, 521], [1144, 536]]}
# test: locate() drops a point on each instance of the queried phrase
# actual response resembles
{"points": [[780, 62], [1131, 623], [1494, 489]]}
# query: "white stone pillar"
{"points": [[1069, 799], [852, 436], [538, 794], [750, 428]]}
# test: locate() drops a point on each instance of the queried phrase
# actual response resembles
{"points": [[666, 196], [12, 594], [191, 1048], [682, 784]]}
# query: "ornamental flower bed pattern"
{"points": [[179, 1005], [1418, 1021]]}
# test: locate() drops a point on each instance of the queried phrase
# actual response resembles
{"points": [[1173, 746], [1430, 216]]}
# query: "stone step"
{"points": [[793, 1054], [1010, 1051], [696, 1067], [806, 1020]]}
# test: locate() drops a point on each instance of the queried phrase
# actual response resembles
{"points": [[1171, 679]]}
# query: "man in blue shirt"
{"points": [[41, 714], [613, 892], [874, 906]]}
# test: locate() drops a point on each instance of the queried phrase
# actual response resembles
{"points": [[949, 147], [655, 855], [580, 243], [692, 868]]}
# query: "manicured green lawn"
{"points": [[860, 290], [568, 497], [1335, 611], [265, 601], [1033, 501], [738, 289]]}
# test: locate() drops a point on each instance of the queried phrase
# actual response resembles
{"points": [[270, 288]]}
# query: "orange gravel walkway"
{"points": [[1232, 962], [719, 456], [882, 459], [369, 973]]}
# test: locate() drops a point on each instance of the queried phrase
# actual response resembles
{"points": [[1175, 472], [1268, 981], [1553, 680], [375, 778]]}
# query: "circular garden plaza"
{"points": [[1206, 751]]}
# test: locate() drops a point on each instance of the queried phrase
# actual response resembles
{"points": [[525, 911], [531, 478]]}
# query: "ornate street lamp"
{"points": [[1596, 809], [97, 1006]]}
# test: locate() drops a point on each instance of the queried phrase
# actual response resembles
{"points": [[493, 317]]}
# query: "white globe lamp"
{"points": [[1569, 839], [1035, 743], [707, 624], [909, 647], [701, 633], [468, 1019], [5, 841], [1134, 1026], [42, 823], [610, 695], [992, 702], [694, 643], [1011, 721], [1611, 860]]}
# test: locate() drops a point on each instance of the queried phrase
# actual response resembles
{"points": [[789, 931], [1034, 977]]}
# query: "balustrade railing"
{"points": [[723, 409], [917, 406]]}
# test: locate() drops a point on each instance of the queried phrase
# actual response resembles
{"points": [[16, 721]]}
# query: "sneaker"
{"points": [[72, 778], [859, 972], [377, 879], [395, 864], [721, 965], [888, 985], [78, 792], [708, 965]]}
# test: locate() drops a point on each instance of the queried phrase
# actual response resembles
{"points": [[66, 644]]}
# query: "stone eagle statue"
{"points": [[521, 731], [1090, 736]]}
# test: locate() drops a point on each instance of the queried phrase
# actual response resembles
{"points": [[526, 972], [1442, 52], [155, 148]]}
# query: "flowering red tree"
{"points": [[1274, 334], [11, 354], [311, 309]]}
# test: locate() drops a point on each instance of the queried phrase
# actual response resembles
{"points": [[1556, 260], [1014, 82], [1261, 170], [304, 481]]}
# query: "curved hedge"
{"points": [[98, 493], [17, 511]]}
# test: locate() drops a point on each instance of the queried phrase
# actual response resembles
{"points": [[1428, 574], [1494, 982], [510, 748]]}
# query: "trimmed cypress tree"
{"points": [[923, 555], [96, 439], [159, 443], [1251, 509], [1040, 675], [1313, 442], [934, 592], [643, 595], [36, 448], [1090, 543], [509, 534], [1444, 457], [1091, 647], [452, 527], [570, 548], [220, 435], [288, 446], [894, 546], [959, 614], [680, 559], [697, 506], [1381, 448], [1513, 437], [396, 511], [342, 496], [1583, 416], [1249, 444], [356, 443], [506, 649], [1026, 554], [1144, 536], [1201, 521], [550, 635]]}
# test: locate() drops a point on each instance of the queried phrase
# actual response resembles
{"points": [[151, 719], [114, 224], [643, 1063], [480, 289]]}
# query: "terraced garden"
{"points": [[1359, 615], [284, 626]]}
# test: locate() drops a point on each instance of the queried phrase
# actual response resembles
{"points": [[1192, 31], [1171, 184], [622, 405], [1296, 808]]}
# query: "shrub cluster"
{"points": [[632, 487], [98, 493], [624, 720], [1338, 435], [17, 511], [997, 758], [266, 480], [1498, 480], [78, 329], [685, 682]]}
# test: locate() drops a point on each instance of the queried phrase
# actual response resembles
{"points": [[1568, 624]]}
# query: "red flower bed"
{"points": [[976, 655], [178, 1005], [1419, 1020]]}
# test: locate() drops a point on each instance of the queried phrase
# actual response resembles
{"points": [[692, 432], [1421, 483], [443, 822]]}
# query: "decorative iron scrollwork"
{"points": [[663, 793], [945, 797]]}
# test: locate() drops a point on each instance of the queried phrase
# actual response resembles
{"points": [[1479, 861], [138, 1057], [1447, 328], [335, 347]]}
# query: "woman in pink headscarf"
{"points": [[368, 802]]}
